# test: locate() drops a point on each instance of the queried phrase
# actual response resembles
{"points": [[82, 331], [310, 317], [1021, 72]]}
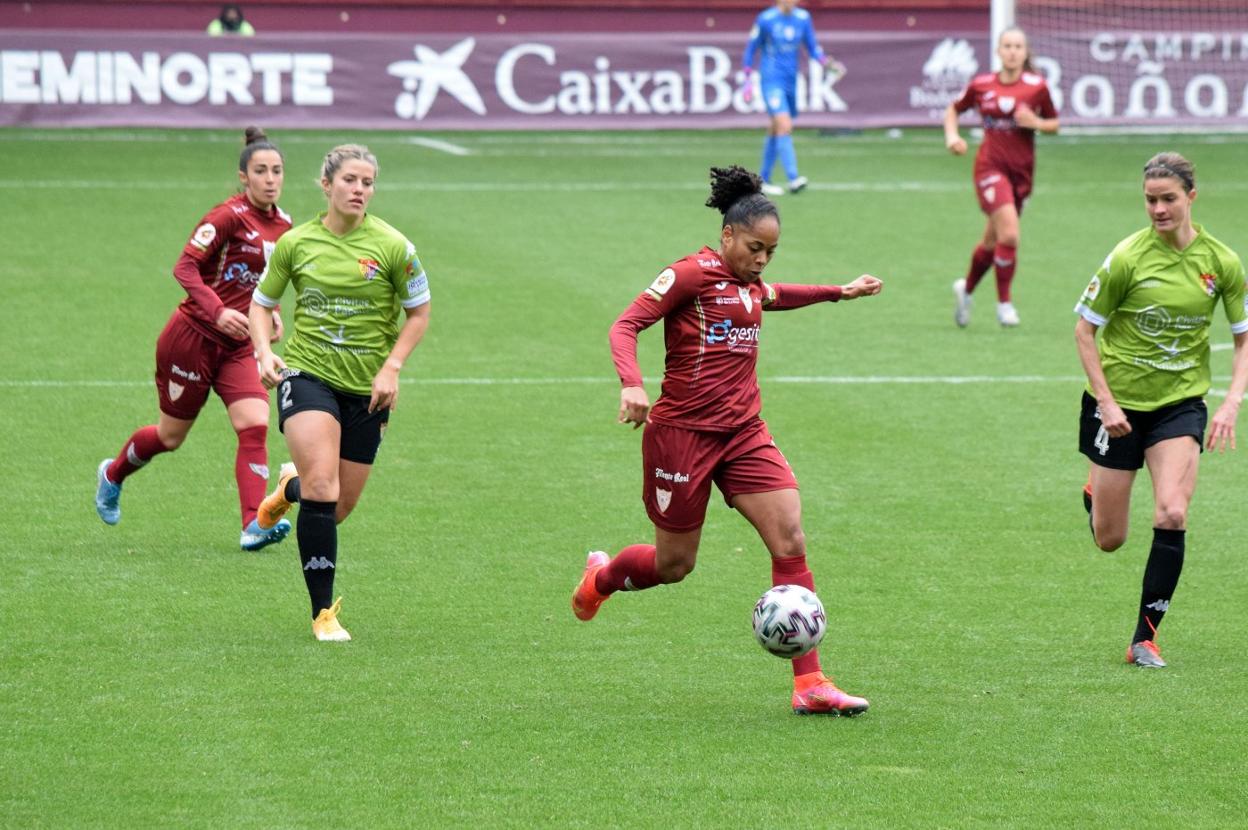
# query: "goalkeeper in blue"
{"points": [[778, 36]]}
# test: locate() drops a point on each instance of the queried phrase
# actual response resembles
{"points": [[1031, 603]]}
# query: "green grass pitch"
{"points": [[152, 674]]}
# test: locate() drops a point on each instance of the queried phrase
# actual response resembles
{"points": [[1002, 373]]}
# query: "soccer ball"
{"points": [[789, 621]]}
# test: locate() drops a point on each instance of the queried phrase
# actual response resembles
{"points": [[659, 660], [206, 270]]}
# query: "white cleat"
{"points": [[770, 189], [798, 184], [962, 304], [1006, 315]]}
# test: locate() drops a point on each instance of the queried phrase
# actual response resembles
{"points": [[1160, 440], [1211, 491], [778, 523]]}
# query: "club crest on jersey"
{"points": [[369, 268], [746, 299], [1094, 288], [1006, 102], [663, 498], [662, 283], [175, 390], [1210, 283]]}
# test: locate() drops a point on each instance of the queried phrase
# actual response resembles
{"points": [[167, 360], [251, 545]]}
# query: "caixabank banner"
{"points": [[569, 81]]}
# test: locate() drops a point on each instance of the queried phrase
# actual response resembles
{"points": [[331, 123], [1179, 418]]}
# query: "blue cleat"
{"points": [[107, 495], [257, 538]]}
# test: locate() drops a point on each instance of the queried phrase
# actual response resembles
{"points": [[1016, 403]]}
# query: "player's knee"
{"points": [[1170, 516], [1008, 238], [1110, 540], [318, 488], [343, 511], [170, 440], [792, 542], [674, 571]]}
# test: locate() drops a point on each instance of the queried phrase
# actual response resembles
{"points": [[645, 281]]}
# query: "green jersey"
{"points": [[1155, 305], [348, 290]]}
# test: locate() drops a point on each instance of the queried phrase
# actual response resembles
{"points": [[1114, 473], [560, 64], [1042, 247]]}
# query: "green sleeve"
{"points": [[1107, 289], [1234, 298], [276, 276], [411, 285]]}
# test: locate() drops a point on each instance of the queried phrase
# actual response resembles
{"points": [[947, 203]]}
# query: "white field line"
{"points": [[587, 187], [441, 146], [827, 380]]}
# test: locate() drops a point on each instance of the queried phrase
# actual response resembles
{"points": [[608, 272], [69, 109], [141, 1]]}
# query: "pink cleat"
{"points": [[815, 694], [585, 599]]}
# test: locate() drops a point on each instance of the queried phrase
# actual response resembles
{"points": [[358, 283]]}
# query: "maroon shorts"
{"points": [[996, 187], [678, 466], [190, 363]]}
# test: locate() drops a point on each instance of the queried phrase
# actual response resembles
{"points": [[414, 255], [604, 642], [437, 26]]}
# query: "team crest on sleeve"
{"points": [[369, 268], [662, 284], [1094, 288], [204, 235]]}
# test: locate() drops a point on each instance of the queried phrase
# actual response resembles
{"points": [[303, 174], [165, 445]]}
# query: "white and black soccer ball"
{"points": [[789, 621]]}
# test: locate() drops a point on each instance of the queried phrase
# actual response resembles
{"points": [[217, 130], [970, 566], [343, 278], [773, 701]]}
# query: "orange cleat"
{"points": [[1145, 653], [274, 506], [815, 694], [585, 599]]}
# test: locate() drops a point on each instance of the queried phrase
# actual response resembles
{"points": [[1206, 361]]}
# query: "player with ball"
{"points": [[706, 428]]}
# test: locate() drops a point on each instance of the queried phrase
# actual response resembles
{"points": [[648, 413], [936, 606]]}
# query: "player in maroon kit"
{"points": [[705, 427], [205, 345], [1015, 104]]}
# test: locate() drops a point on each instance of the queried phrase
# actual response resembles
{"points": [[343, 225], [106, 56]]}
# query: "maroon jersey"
{"points": [[711, 323], [224, 258], [1006, 147]]}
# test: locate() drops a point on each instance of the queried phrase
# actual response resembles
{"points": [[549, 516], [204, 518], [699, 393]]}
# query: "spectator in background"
{"points": [[231, 22]]}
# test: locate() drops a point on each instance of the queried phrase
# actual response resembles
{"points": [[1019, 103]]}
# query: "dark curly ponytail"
{"points": [[738, 195], [254, 140]]}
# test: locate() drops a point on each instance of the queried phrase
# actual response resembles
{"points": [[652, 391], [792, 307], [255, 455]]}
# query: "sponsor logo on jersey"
{"points": [[712, 263], [417, 285], [662, 284], [727, 301], [240, 273], [239, 209], [433, 72], [369, 268], [1210, 283], [725, 332], [663, 498], [249, 249], [204, 235], [674, 478]]}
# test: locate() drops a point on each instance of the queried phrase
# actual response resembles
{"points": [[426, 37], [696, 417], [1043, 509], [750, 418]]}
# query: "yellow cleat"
{"points": [[326, 626], [274, 506]]}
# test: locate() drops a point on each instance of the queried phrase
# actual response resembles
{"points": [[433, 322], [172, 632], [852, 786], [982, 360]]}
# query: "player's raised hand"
{"points": [[634, 406], [864, 286]]}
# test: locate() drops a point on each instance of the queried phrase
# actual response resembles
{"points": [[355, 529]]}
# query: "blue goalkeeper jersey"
{"points": [[779, 37]]}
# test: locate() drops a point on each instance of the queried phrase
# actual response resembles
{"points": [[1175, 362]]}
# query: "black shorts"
{"points": [[1187, 417], [361, 430]]}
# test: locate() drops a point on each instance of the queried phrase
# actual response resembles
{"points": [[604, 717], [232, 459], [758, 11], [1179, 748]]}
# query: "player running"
{"points": [[1153, 301], [705, 426], [1015, 104], [205, 344], [778, 35], [339, 377]]}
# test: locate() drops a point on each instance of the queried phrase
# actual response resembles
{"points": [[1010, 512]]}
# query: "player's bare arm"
{"points": [[1222, 427]]}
